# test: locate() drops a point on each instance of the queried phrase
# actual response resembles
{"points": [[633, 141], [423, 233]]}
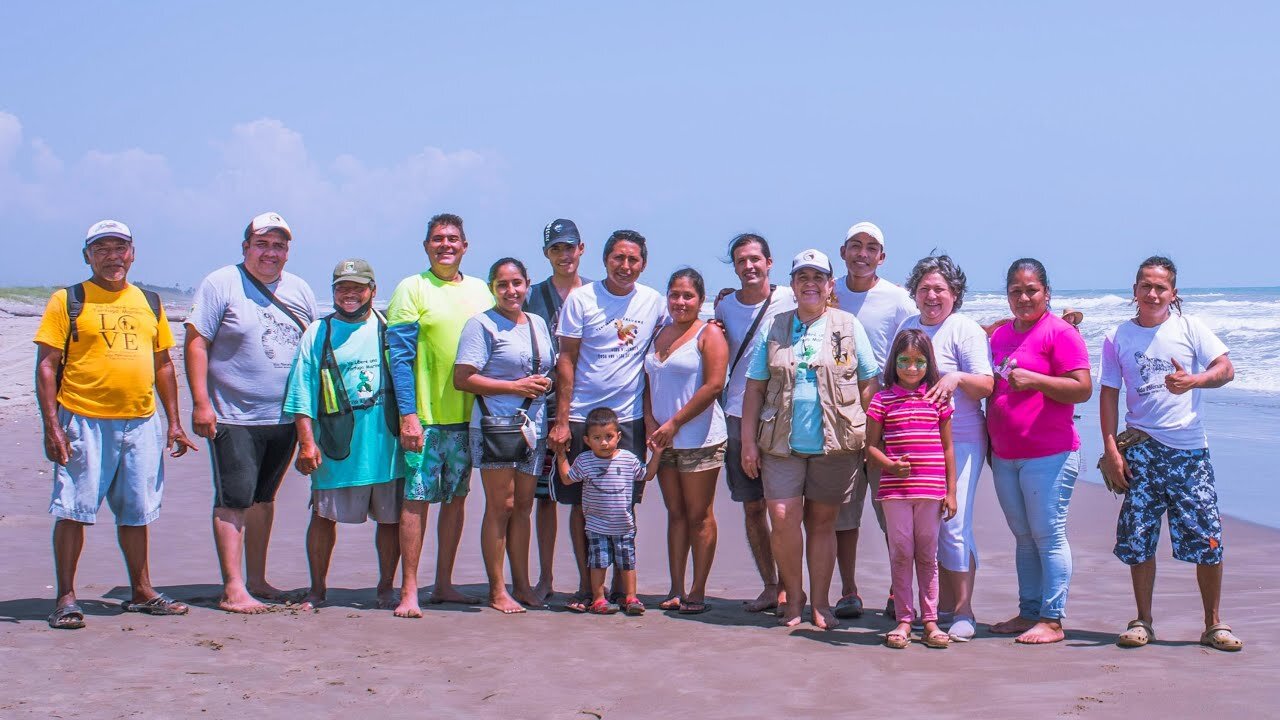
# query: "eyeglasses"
{"points": [[905, 363]]}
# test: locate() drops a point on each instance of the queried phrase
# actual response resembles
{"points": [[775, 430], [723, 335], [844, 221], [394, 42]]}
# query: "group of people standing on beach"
{"points": [[811, 396]]}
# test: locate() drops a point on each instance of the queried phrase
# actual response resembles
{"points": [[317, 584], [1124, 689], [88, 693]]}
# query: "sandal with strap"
{"points": [[1137, 634], [161, 604], [601, 607], [1220, 637], [633, 606], [671, 603], [67, 617], [577, 602], [896, 640], [937, 640]]}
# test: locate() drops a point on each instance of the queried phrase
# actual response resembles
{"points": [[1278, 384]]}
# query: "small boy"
{"points": [[608, 475]]}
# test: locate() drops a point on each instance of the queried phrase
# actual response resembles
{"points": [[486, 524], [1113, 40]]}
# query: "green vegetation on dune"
{"points": [[37, 295]]}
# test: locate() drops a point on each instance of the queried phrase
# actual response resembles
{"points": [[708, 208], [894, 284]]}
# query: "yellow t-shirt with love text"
{"points": [[110, 370]]}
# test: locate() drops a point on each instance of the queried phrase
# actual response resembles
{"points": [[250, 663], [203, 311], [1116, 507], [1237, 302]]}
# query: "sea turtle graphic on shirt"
{"points": [[626, 332], [279, 339]]}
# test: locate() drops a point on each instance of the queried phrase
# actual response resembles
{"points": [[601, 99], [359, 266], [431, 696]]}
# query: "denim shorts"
{"points": [[121, 461], [1177, 482], [444, 470], [606, 550]]}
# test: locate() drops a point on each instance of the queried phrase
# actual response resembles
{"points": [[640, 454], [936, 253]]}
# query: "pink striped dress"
{"points": [[911, 428]]}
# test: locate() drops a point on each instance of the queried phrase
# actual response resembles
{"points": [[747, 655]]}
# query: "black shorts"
{"points": [[249, 461], [633, 439]]}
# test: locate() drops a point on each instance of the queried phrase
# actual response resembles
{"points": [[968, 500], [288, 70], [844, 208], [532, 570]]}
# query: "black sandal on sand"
{"points": [[672, 603], [578, 602], [67, 617], [693, 607], [161, 604]]}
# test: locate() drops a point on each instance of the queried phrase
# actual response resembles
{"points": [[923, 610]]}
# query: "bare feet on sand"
{"points": [[789, 613], [768, 599], [1015, 625], [528, 597], [541, 592], [408, 607], [238, 600], [505, 603], [824, 619], [1042, 633], [386, 596], [313, 600], [450, 594], [266, 591]]}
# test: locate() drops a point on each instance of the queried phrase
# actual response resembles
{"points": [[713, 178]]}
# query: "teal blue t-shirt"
{"points": [[373, 457], [806, 409]]}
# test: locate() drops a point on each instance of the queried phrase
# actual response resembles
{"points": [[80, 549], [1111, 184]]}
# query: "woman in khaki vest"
{"points": [[808, 385]]}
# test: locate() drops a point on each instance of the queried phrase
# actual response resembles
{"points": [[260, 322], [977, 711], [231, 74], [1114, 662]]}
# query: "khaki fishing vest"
{"points": [[844, 423]]}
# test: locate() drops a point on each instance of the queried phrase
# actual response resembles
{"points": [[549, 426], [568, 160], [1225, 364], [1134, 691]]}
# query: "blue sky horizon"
{"points": [[1089, 136]]}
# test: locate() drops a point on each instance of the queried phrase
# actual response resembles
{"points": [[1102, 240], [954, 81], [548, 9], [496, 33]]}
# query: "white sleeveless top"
{"points": [[672, 383]]}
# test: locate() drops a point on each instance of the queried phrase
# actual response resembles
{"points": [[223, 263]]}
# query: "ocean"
{"points": [[1243, 418]]}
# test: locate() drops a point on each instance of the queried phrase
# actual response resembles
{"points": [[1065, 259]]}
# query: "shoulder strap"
{"points": [[75, 306], [153, 301], [266, 292], [537, 365], [751, 331]]}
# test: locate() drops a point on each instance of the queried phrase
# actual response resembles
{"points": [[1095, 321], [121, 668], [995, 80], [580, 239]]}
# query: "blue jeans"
{"points": [[1034, 494]]}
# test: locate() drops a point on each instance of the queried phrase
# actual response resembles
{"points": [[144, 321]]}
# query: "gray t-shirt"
{"points": [[251, 343], [500, 349]]}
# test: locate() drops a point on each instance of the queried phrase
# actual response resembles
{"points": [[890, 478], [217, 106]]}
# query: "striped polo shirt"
{"points": [[607, 490], [911, 428]]}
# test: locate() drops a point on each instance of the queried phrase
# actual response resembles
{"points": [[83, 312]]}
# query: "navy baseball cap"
{"points": [[560, 231]]}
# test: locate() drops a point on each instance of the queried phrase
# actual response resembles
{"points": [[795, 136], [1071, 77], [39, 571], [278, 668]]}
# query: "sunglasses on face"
{"points": [[905, 363]]}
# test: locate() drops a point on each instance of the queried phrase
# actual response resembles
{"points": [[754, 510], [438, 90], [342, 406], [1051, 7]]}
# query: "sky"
{"points": [[1088, 135]]}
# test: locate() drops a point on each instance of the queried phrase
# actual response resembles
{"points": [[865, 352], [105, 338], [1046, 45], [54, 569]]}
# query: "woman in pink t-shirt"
{"points": [[1042, 371]]}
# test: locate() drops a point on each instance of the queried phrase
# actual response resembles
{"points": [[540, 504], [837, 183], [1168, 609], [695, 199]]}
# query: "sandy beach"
{"points": [[474, 662]]}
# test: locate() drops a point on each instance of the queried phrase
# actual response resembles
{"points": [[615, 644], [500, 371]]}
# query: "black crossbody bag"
{"points": [[506, 438]]}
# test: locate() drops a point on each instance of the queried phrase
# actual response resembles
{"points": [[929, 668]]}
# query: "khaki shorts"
{"points": [[693, 459], [850, 517], [820, 478], [380, 502]]}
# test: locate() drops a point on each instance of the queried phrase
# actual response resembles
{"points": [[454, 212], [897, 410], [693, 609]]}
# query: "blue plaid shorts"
{"points": [[1177, 482], [606, 550]]}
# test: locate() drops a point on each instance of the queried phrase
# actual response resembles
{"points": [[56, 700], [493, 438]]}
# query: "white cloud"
{"points": [[262, 165]]}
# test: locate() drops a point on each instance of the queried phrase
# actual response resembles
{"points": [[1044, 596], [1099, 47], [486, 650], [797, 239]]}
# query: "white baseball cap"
{"points": [[868, 228], [815, 259], [107, 228], [266, 222]]}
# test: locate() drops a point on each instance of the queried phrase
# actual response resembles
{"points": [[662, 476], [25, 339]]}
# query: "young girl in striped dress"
{"points": [[918, 485]]}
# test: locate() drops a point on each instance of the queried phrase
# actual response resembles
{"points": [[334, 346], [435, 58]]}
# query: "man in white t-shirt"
{"points": [[1163, 360], [742, 313], [881, 307], [604, 329]]}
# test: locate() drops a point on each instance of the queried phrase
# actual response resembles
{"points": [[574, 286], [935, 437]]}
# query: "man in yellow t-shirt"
{"points": [[94, 385], [424, 323]]}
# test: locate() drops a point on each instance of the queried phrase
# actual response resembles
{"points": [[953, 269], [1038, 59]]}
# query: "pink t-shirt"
{"points": [[911, 428], [1024, 423]]}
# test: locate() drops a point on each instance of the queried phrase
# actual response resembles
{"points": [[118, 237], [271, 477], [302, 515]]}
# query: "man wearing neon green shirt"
{"points": [[424, 322]]}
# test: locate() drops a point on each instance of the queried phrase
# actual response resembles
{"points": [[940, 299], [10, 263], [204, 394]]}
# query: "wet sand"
{"points": [[475, 662]]}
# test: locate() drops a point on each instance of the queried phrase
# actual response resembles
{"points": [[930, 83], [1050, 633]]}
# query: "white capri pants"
{"points": [[955, 539]]}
